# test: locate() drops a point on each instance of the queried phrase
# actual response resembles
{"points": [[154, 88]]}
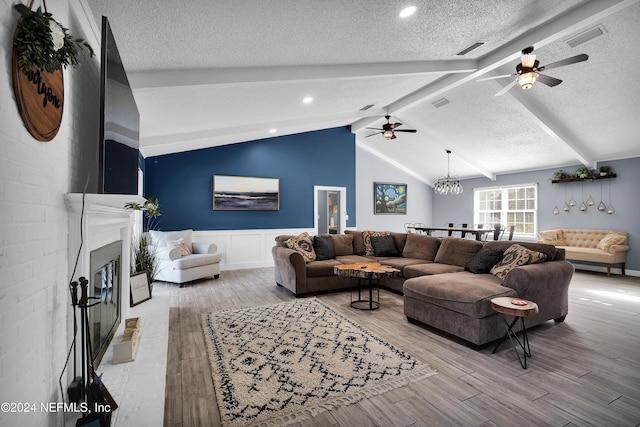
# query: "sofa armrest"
{"points": [[546, 284], [290, 269], [618, 248], [204, 248], [165, 253]]}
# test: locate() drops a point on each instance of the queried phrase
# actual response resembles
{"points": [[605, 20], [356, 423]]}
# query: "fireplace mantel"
{"points": [[102, 221]]}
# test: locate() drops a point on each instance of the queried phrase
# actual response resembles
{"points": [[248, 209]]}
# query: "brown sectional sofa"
{"points": [[437, 290]]}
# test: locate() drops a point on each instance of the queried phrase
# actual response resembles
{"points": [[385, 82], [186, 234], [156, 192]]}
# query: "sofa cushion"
{"points": [[421, 246], [384, 246], [516, 256], [358, 241], [323, 247], [399, 262], [195, 260], [611, 239], [463, 292], [366, 237], [457, 251], [352, 259], [303, 244], [342, 244], [553, 237], [482, 262], [400, 239], [321, 268], [429, 268]]}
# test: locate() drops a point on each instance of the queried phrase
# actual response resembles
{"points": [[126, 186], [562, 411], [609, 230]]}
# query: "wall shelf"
{"points": [[593, 178]]}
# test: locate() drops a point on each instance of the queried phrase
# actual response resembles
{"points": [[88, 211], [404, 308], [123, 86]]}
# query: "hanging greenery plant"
{"points": [[41, 41]]}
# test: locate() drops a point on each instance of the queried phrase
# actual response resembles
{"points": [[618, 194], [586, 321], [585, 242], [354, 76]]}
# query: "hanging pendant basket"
{"points": [[39, 95]]}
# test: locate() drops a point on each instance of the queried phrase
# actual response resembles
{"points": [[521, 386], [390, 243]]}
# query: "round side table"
{"points": [[519, 308]]}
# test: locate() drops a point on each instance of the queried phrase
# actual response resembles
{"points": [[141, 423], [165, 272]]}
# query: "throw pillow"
{"points": [[184, 249], [342, 244], [515, 256], [303, 244], [323, 246], [611, 239], [384, 246], [553, 237], [484, 260], [368, 247]]}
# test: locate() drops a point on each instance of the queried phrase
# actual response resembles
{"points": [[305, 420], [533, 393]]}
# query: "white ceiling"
{"points": [[208, 73]]}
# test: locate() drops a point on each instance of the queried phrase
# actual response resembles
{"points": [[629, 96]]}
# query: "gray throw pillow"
{"points": [[482, 262], [323, 246], [384, 246]]}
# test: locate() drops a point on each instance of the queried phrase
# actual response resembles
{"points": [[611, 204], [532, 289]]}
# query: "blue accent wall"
{"points": [[183, 182]]}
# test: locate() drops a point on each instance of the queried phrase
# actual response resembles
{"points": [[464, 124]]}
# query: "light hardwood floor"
{"points": [[585, 371]]}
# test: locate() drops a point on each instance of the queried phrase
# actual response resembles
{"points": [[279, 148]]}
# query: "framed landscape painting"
{"points": [[389, 198], [245, 193]]}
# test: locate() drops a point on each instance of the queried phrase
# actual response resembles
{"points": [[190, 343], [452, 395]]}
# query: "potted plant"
{"points": [[43, 42], [582, 172], [605, 170], [144, 257], [560, 175]]}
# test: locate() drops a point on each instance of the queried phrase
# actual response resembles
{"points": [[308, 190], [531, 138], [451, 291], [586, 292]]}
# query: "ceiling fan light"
{"points": [[527, 80], [388, 134], [528, 60]]}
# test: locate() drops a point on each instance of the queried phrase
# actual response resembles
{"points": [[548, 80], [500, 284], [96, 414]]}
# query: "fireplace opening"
{"points": [[104, 286]]}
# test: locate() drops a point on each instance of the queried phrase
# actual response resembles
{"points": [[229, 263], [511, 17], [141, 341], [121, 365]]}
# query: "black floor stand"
{"points": [[369, 304], [524, 344]]}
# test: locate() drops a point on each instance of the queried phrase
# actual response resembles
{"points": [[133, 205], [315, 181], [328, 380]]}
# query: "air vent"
{"points": [[470, 48], [366, 107], [440, 102], [586, 36]]}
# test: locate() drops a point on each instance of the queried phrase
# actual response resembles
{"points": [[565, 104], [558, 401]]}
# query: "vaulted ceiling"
{"points": [[212, 73]]}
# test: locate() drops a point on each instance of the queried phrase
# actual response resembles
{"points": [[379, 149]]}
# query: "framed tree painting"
{"points": [[389, 198]]}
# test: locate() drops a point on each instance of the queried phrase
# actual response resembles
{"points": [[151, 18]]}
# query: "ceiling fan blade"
{"points": [[406, 130], [375, 128], [567, 61], [549, 81], [506, 88], [495, 77], [377, 133], [395, 125]]}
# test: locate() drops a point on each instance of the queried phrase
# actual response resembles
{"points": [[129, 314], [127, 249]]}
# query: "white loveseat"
{"points": [[602, 246], [180, 260]]}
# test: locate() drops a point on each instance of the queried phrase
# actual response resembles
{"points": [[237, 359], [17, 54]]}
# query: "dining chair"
{"points": [[408, 227], [512, 228], [498, 231], [463, 234], [420, 224]]}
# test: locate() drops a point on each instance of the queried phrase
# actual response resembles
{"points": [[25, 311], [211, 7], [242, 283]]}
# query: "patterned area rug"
{"points": [[287, 362]]}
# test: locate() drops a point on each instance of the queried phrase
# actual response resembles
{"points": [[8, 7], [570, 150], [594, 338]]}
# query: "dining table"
{"points": [[478, 232]]}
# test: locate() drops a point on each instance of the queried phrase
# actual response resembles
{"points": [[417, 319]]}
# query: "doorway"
{"points": [[330, 209]]}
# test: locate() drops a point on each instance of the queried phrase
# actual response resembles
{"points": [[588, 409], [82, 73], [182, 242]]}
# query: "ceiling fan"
{"points": [[528, 71], [388, 129]]}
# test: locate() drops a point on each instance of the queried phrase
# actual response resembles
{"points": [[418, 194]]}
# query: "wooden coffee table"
{"points": [[506, 306], [369, 271]]}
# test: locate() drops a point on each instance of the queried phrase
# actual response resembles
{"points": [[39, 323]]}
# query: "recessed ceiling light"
{"points": [[407, 11], [307, 100], [273, 130]]}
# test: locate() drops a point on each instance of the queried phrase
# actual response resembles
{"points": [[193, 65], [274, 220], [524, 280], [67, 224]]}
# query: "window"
{"points": [[517, 206]]}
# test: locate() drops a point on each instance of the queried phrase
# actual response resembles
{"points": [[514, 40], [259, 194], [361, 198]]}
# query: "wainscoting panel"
{"points": [[242, 249]]}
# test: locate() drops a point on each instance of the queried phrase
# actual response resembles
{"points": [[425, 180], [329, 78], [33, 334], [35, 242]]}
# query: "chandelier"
{"points": [[449, 184]]}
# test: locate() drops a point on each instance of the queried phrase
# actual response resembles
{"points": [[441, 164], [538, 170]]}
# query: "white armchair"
{"points": [[180, 260]]}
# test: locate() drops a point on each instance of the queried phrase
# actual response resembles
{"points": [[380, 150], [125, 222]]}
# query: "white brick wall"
{"points": [[34, 176]]}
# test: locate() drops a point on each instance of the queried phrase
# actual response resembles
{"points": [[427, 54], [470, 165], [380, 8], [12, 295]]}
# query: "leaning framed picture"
{"points": [[245, 193], [140, 289], [389, 198]]}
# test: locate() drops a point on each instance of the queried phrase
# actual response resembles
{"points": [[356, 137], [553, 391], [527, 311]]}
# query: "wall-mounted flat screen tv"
{"points": [[119, 122]]}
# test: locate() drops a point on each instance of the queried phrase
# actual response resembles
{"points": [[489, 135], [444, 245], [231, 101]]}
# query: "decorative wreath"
{"points": [[42, 41]]}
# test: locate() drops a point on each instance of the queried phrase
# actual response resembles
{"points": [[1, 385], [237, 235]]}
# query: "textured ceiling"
{"points": [[212, 73]]}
